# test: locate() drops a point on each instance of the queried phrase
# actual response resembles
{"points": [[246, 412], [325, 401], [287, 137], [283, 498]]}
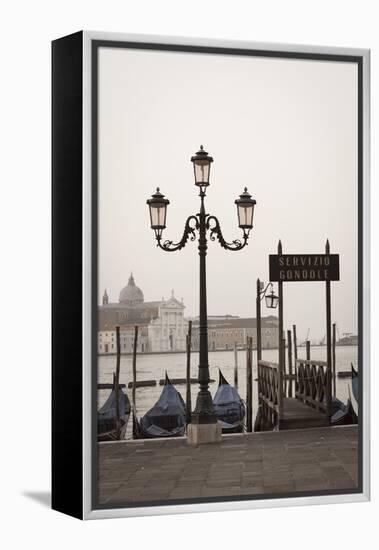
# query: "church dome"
{"points": [[131, 295]]}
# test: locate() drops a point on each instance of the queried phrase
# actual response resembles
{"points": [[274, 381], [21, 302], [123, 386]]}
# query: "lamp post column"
{"points": [[204, 412]]}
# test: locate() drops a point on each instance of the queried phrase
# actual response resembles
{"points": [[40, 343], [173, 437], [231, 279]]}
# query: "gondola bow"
{"points": [[167, 418], [229, 407], [107, 428]]}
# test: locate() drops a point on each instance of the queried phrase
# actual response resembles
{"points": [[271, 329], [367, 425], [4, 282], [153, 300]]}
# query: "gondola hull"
{"points": [[343, 415], [354, 383], [155, 432], [111, 434]]}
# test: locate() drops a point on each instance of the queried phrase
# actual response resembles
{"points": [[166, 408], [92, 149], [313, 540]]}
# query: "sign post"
{"points": [[281, 350], [259, 334], [299, 268], [328, 337]]}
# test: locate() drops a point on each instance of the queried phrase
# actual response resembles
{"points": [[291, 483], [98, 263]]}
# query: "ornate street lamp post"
{"points": [[204, 426]]}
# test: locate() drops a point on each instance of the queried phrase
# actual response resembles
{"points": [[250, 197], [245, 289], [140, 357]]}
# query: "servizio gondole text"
{"points": [[304, 267]]}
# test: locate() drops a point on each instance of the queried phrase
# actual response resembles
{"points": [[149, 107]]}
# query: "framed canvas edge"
{"points": [[88, 511]]}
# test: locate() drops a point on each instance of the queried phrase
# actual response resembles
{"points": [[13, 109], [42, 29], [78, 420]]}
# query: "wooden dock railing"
{"points": [[268, 391], [313, 385], [312, 389]]}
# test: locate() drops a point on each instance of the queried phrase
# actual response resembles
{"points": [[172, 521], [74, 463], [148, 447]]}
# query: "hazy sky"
{"points": [[286, 129]]}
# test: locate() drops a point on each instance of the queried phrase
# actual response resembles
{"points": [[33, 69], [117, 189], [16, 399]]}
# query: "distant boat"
{"points": [[348, 340], [107, 429], [229, 407], [342, 414], [167, 418]]}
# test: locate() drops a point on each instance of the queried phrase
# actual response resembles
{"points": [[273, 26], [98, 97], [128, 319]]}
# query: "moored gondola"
{"points": [[229, 407], [354, 382], [167, 418], [342, 414], [107, 428]]}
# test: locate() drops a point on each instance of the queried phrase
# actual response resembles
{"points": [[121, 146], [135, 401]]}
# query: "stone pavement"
{"points": [[245, 464]]}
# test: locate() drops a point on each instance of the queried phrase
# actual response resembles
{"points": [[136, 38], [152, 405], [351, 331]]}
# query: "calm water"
{"points": [[150, 367]]}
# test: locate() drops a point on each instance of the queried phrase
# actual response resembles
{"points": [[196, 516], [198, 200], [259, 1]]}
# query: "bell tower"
{"points": [[105, 298]]}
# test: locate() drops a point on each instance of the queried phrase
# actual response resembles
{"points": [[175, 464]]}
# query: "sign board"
{"points": [[304, 267]]}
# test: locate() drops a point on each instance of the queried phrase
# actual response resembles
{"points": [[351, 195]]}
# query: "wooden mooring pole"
{"points": [[295, 352], [284, 365], [235, 366], [188, 374], [334, 359], [135, 344], [308, 349], [249, 384], [117, 382], [294, 342], [289, 349]]}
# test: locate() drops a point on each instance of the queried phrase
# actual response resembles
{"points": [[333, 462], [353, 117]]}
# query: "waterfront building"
{"points": [[226, 330], [161, 323]]}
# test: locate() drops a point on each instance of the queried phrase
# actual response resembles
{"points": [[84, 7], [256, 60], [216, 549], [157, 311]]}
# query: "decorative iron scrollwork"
{"points": [[215, 233], [189, 233]]}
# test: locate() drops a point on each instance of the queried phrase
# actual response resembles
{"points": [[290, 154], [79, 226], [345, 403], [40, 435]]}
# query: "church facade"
{"points": [[161, 324]]}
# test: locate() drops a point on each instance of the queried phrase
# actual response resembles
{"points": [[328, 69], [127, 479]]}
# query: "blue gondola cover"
{"points": [[167, 418], [229, 406]]}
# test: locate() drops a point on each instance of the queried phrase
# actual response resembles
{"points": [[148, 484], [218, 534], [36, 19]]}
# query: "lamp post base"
{"points": [[198, 434], [204, 412]]}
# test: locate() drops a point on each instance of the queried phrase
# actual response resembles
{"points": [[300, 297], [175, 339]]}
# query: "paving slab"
{"points": [[273, 463]]}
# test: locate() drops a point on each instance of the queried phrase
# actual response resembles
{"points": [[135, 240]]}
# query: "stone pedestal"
{"points": [[203, 433]]}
